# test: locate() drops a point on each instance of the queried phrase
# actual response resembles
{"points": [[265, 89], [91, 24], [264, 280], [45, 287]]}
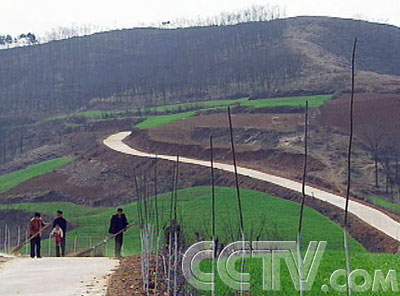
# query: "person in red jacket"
{"points": [[36, 225]]}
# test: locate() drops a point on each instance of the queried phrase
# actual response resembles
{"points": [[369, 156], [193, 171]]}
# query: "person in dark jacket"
{"points": [[118, 224], [60, 221], [36, 226]]}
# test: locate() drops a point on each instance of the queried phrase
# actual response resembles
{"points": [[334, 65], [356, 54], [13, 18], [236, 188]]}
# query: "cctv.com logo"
{"points": [[302, 270]]}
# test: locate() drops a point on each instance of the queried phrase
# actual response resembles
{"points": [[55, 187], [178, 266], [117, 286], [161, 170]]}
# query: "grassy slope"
{"points": [[314, 101], [155, 121], [13, 179], [331, 261], [385, 204], [281, 219]]}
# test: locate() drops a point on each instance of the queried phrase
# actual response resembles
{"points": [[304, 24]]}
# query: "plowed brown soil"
{"points": [[373, 114], [181, 131]]}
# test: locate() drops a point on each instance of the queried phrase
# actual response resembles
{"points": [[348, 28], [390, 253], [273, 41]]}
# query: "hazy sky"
{"points": [[39, 16]]}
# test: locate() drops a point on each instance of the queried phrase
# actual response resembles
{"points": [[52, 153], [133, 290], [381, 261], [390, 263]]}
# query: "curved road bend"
{"points": [[373, 217]]}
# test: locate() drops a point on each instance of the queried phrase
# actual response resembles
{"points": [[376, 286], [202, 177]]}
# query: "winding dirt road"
{"points": [[371, 216]]}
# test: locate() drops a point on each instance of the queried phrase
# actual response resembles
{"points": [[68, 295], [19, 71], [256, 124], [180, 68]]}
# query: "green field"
{"points": [[276, 218], [161, 120], [279, 216], [314, 101], [13, 179], [195, 105], [385, 204], [331, 261]]}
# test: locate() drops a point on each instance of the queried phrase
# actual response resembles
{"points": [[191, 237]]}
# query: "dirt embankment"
{"points": [[375, 117], [127, 280], [281, 163], [188, 131]]}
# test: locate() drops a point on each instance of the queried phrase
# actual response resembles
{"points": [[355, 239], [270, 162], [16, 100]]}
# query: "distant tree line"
{"points": [[255, 13], [8, 41], [148, 66], [145, 67]]}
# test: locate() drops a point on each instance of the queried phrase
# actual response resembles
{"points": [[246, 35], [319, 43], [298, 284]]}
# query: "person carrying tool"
{"points": [[63, 225], [36, 225], [118, 224]]}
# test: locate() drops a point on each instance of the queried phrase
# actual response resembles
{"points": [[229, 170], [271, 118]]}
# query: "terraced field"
{"points": [[169, 113], [13, 179]]}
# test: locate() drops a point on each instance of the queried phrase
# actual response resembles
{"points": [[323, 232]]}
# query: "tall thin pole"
{"points": [[241, 224], [176, 187], [49, 245], [172, 223], [299, 233], [212, 189], [26, 237], [19, 236], [158, 228], [9, 240], [351, 131], [304, 169], [242, 233], [172, 191], [138, 204], [213, 208], [146, 210], [5, 238], [345, 234], [156, 196]]}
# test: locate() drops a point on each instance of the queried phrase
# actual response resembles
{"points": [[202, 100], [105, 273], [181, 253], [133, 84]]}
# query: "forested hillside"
{"points": [[143, 67]]}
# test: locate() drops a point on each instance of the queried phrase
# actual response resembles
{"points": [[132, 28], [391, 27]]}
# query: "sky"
{"points": [[40, 16]]}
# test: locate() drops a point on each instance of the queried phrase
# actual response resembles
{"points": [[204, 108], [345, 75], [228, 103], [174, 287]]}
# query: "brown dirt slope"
{"points": [[373, 113]]}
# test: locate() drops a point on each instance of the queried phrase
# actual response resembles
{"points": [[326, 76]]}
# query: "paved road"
{"points": [[373, 217], [55, 276]]}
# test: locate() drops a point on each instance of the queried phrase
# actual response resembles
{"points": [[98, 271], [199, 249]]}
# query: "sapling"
{"points": [[303, 199], [351, 130], [241, 222], [213, 211]]}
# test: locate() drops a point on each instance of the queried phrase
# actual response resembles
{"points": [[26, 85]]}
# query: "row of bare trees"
{"points": [[255, 13], [147, 67], [383, 144]]}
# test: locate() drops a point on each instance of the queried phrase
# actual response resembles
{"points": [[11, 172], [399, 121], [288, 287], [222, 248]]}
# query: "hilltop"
{"points": [[148, 66]]}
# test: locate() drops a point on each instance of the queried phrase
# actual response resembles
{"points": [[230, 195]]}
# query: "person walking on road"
{"points": [[60, 221], [36, 226], [118, 224], [58, 235]]}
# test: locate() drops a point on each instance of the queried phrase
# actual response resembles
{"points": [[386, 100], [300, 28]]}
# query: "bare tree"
{"points": [[375, 136]]}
